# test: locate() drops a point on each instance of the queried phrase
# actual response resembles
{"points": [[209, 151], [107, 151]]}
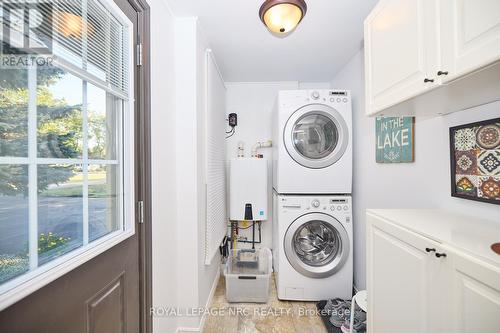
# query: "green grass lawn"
{"points": [[95, 191], [92, 176]]}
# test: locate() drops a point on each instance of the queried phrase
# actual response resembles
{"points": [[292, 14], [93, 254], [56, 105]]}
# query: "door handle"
{"points": [[442, 73], [439, 255], [428, 250], [428, 80]]}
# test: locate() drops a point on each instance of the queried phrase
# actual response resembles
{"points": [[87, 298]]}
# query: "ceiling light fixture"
{"points": [[282, 16]]}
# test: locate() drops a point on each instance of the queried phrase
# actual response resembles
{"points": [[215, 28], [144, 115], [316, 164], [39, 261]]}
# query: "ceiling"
{"points": [[330, 34]]}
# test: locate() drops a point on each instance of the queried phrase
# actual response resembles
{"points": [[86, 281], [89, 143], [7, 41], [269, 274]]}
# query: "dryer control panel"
{"points": [[332, 96]]}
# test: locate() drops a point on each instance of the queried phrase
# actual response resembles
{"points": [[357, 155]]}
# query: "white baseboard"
{"points": [[207, 305]]}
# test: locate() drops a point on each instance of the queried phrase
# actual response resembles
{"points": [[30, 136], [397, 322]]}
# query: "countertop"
{"points": [[469, 234]]}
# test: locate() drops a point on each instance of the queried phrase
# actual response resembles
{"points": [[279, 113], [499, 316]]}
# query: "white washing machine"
{"points": [[312, 135], [312, 247]]}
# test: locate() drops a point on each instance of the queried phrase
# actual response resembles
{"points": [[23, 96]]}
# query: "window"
{"points": [[66, 138]]}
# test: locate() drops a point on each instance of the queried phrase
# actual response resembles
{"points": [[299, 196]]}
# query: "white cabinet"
{"points": [[420, 284], [414, 47], [401, 283], [400, 51], [476, 295], [470, 35]]}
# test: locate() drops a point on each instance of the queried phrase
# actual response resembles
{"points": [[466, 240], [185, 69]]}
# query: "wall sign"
{"points": [[395, 139], [475, 161]]}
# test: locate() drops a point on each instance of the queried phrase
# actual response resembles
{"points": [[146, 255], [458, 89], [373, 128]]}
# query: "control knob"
{"points": [[315, 203]]}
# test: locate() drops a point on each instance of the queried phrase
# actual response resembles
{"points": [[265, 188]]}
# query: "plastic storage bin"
{"points": [[247, 275]]}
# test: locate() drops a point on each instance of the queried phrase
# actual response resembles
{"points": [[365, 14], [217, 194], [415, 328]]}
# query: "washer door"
{"points": [[316, 136], [316, 245]]}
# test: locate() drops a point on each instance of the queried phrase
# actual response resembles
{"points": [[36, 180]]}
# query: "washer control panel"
{"points": [[339, 205], [324, 204], [316, 204]]}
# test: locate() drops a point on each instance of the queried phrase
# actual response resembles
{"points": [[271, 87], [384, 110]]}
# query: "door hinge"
{"points": [[141, 211], [139, 54]]}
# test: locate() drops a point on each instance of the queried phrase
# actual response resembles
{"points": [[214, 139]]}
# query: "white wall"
{"points": [[422, 184], [195, 279], [180, 278], [164, 203], [253, 102], [186, 159]]}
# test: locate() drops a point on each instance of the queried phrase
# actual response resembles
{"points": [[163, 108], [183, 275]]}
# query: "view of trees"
{"points": [[59, 135], [59, 129]]}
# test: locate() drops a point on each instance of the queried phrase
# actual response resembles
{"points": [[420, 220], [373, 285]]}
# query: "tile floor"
{"points": [[273, 317]]}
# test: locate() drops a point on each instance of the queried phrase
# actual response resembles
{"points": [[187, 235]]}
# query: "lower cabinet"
{"points": [[475, 296], [418, 285]]}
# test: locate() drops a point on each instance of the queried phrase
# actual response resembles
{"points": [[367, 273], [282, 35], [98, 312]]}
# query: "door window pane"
{"points": [[60, 210], [59, 112], [13, 112], [104, 203], [315, 136], [13, 221], [61, 131], [103, 116]]}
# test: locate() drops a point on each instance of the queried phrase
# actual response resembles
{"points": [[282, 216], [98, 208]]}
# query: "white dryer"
{"points": [[312, 247], [312, 134]]}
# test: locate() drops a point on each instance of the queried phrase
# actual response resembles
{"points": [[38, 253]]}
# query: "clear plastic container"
{"points": [[247, 275]]}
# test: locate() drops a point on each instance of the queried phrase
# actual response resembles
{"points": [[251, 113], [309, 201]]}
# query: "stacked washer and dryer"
{"points": [[312, 182]]}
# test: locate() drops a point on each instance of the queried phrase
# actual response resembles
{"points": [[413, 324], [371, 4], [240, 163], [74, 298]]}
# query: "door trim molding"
{"points": [[143, 192]]}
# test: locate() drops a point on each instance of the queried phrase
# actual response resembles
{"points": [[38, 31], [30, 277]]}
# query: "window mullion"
{"points": [[32, 171], [85, 154], [85, 165]]}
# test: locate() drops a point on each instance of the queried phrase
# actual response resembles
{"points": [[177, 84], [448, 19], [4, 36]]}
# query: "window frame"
{"points": [[23, 285]]}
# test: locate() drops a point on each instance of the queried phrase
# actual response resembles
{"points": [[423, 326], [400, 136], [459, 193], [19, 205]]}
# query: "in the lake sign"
{"points": [[395, 137]]}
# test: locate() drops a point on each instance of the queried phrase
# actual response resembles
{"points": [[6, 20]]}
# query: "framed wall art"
{"points": [[475, 161], [395, 139]]}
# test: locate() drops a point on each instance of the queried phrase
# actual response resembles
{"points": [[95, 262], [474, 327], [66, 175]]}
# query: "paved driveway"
{"points": [[60, 215]]}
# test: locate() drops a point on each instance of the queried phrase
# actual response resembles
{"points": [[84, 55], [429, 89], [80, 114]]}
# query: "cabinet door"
{"points": [[476, 296], [401, 51], [401, 280], [470, 35]]}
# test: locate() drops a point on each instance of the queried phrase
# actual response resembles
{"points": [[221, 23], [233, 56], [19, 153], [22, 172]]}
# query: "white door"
{"points": [[401, 267], [470, 35], [316, 136], [401, 51], [476, 296]]}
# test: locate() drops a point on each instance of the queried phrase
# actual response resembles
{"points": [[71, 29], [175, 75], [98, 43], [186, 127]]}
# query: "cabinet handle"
{"points": [[428, 80], [427, 249], [439, 255], [442, 73]]}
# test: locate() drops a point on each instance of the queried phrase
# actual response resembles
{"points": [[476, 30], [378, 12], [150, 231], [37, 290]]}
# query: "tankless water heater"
{"points": [[248, 189]]}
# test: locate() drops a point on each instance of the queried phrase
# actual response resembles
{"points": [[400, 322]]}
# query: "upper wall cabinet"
{"points": [[470, 35], [431, 57], [400, 51]]}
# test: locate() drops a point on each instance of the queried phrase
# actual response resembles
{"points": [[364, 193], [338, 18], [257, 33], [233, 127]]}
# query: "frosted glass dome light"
{"points": [[282, 16]]}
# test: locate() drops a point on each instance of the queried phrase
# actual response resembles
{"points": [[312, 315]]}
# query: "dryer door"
{"points": [[316, 245], [316, 136]]}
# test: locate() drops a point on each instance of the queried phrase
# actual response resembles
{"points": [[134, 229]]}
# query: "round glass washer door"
{"points": [[316, 136], [316, 245]]}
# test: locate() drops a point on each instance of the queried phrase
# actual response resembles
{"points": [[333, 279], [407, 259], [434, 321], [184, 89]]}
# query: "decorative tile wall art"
{"points": [[475, 161], [395, 139]]}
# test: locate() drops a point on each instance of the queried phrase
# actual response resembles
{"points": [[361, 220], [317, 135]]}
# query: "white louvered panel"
{"points": [[215, 159]]}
